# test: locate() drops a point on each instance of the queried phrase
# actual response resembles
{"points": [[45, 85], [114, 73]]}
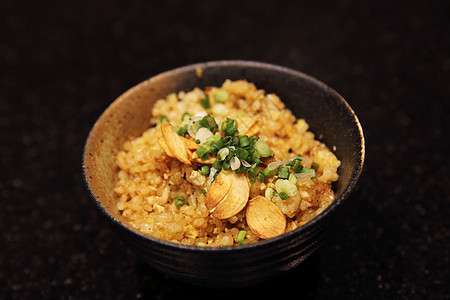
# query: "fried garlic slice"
{"points": [[173, 144], [264, 218], [228, 194]]}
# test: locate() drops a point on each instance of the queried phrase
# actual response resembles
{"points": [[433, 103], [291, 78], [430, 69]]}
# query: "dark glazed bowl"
{"points": [[329, 117]]}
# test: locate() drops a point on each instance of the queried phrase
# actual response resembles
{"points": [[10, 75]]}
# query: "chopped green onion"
{"points": [[292, 179], [209, 123], [221, 95], [203, 192], [205, 103], [162, 118], [284, 185], [283, 173], [226, 165], [235, 141], [283, 195], [295, 158], [251, 174], [268, 172], [203, 134], [186, 116], [203, 151], [244, 141], [179, 201], [219, 109], [307, 170], [235, 164], [241, 153], [241, 236], [217, 164], [223, 153], [229, 127], [204, 170], [269, 193], [261, 176], [296, 166], [214, 139], [263, 149], [182, 131]]}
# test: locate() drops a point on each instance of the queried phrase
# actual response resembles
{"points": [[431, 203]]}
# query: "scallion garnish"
{"points": [[205, 103], [182, 131], [296, 166], [162, 118], [185, 117], [283, 172], [309, 170], [204, 170], [241, 153], [263, 149], [203, 151], [244, 141], [179, 201], [229, 127], [217, 164], [221, 95], [241, 236], [209, 123], [283, 195]]}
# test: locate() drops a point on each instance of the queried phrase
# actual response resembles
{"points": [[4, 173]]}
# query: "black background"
{"points": [[63, 62]]}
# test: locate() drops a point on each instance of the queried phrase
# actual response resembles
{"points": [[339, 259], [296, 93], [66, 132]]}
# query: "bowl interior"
{"points": [[329, 116]]}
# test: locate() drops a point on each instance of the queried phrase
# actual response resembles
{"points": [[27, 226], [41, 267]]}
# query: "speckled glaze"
{"points": [[330, 118]]}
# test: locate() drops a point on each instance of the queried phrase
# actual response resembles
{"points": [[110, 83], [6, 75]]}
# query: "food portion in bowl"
{"points": [[223, 166]]}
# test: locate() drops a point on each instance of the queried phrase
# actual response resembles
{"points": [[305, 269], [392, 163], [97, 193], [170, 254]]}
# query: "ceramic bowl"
{"points": [[330, 118]]}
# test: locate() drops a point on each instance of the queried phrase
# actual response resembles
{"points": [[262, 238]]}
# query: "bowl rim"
{"points": [[248, 247]]}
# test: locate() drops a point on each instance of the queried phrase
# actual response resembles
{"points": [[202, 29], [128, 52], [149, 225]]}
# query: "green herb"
{"points": [[221, 95], [244, 141], [162, 118], [292, 179], [283, 195], [241, 153], [241, 236], [203, 151], [296, 166], [251, 174], [263, 149], [179, 201], [261, 176], [219, 109], [209, 123], [204, 170], [284, 185], [217, 164], [229, 127], [185, 117], [223, 153], [295, 158], [267, 172], [205, 103], [269, 193], [182, 131], [283, 173], [203, 192], [307, 170], [226, 165]]}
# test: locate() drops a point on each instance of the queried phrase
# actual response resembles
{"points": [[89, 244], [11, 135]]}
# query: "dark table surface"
{"points": [[63, 62]]}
